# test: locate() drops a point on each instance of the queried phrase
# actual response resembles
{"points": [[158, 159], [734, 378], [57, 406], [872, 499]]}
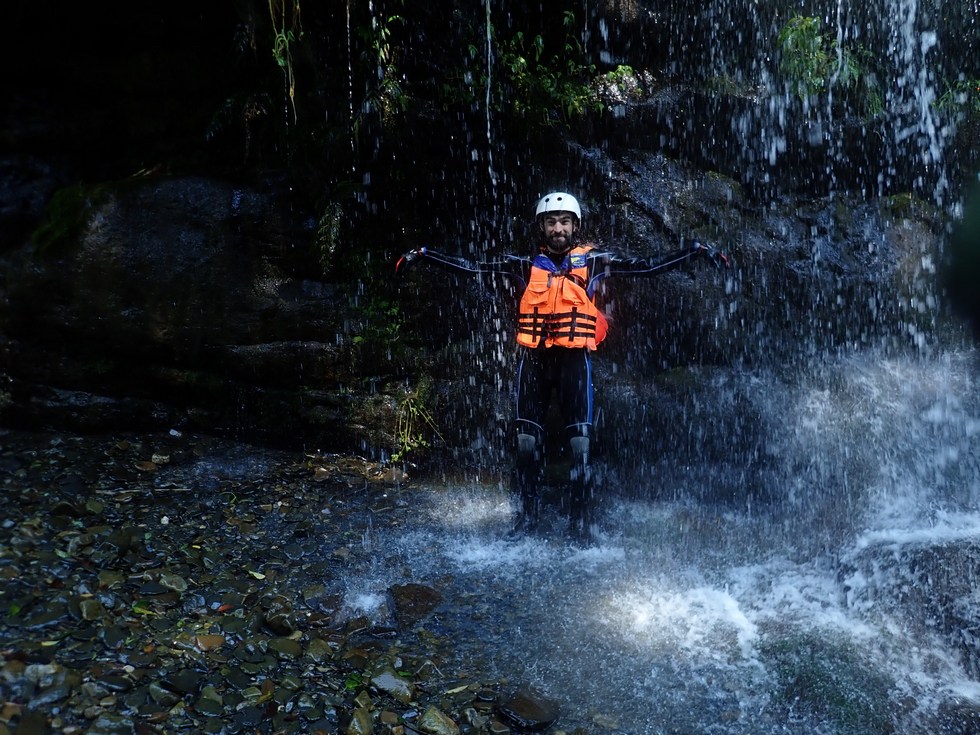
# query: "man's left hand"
{"points": [[717, 257]]}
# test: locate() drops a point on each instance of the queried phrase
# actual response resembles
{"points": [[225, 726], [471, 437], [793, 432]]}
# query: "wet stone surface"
{"points": [[175, 583]]}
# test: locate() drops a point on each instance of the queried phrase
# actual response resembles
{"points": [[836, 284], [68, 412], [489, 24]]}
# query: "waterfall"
{"points": [[794, 544], [912, 98], [490, 143], [823, 613]]}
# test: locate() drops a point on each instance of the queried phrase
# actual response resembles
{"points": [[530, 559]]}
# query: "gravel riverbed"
{"points": [[175, 583]]}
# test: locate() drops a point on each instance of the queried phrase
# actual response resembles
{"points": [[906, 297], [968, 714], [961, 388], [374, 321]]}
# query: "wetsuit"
{"points": [[567, 370]]}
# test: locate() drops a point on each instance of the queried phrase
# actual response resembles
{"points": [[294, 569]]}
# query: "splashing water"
{"points": [[700, 617], [799, 608]]}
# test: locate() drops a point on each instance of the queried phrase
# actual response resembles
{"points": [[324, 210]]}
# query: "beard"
{"points": [[559, 243]]}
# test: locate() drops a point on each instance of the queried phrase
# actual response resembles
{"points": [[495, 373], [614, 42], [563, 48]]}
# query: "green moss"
{"points": [[100, 367], [65, 218], [328, 234], [678, 379], [844, 215], [834, 681], [899, 205], [730, 86], [908, 206]]}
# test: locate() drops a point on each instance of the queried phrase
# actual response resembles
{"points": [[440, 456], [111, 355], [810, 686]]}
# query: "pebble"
{"points": [[224, 619], [398, 687], [529, 710], [436, 722]]}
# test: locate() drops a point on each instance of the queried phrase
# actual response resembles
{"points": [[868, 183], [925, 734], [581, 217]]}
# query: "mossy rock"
{"points": [[66, 218], [908, 206], [833, 680]]}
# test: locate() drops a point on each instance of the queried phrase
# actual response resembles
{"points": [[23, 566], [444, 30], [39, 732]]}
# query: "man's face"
{"points": [[558, 228]]}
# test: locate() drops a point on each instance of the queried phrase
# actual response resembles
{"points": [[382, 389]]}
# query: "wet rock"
{"points": [[173, 582], [109, 723], [959, 717], [130, 649], [250, 653], [56, 612], [249, 717], [529, 710], [286, 647], [474, 719], [117, 682], [389, 682], [109, 578], [319, 650], [362, 723], [33, 723], [363, 700], [91, 609], [42, 674], [210, 702], [51, 695], [113, 636], [436, 722], [209, 642], [185, 681], [64, 508], [611, 723], [923, 583], [162, 695], [123, 539], [279, 616], [318, 597], [153, 588], [412, 602]]}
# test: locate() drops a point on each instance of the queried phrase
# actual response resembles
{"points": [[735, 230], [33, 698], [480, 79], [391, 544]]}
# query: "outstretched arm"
{"points": [[510, 265], [610, 264]]}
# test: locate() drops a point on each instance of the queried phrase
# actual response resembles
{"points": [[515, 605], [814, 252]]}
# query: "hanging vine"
{"points": [[288, 28]]}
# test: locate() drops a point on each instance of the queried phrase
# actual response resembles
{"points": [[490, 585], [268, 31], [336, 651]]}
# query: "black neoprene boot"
{"points": [[581, 526], [528, 518], [526, 482], [529, 511], [581, 510]]}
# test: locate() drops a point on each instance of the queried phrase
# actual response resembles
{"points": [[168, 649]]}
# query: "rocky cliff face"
{"points": [[200, 292], [193, 302]]}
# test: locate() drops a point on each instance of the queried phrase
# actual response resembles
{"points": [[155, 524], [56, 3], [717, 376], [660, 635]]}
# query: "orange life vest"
{"points": [[556, 310]]}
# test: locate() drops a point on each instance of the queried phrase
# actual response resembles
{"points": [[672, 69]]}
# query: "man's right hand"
{"points": [[406, 262]]}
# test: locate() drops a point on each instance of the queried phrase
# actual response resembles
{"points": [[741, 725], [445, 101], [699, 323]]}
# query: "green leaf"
{"points": [[142, 607]]}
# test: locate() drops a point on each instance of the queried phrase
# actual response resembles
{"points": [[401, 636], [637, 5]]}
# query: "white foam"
{"points": [[701, 593]]}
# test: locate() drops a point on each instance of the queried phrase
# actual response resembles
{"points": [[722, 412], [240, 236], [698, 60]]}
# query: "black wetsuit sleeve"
{"points": [[509, 266], [605, 264]]}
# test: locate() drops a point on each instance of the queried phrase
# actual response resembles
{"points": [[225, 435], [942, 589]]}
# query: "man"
{"points": [[558, 327]]}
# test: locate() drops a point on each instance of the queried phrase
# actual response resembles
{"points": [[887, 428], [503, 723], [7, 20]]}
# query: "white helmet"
{"points": [[558, 201]]}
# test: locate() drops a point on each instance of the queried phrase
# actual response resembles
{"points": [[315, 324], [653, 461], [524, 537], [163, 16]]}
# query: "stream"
{"points": [[820, 581], [729, 617]]}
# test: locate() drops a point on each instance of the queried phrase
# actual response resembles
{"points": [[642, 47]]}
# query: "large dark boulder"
{"points": [[182, 302]]}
